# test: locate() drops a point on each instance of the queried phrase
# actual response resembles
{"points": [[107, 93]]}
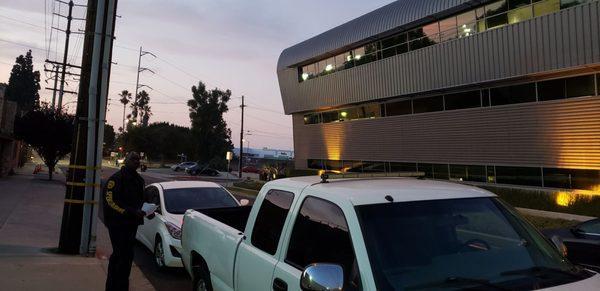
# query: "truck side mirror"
{"points": [[322, 277]]}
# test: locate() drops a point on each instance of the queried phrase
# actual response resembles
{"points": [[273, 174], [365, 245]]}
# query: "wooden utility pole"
{"points": [[77, 233], [241, 163], [66, 54]]}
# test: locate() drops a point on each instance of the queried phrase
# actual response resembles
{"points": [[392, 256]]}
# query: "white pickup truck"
{"points": [[373, 234]]}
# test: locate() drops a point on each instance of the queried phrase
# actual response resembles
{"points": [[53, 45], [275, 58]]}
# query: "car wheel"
{"points": [[202, 279], [159, 254]]}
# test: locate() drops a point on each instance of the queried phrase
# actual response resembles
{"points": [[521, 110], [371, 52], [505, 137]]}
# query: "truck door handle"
{"points": [[279, 285]]}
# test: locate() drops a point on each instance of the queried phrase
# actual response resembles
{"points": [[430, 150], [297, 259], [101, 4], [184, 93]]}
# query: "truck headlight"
{"points": [[174, 230]]}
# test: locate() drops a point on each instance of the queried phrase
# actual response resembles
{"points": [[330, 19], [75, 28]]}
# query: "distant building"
{"points": [[266, 154], [9, 147], [501, 92]]}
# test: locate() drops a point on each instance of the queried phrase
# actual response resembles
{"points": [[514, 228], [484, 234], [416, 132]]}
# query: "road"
{"points": [[176, 278]]}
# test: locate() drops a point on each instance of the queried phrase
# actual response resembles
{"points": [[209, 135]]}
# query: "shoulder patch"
{"points": [[111, 184]]}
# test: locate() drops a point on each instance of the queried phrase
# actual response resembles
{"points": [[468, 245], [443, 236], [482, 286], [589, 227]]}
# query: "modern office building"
{"points": [[499, 92]]}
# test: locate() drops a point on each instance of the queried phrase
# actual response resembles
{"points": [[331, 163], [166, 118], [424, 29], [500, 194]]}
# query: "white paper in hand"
{"points": [[149, 208]]}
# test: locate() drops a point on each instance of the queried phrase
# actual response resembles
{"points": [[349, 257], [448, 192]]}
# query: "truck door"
{"points": [[257, 254], [320, 235]]}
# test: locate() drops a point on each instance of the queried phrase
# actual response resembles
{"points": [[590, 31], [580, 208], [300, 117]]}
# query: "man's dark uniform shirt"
{"points": [[123, 199]]}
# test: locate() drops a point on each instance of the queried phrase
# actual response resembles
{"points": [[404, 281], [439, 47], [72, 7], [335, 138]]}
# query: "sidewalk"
{"points": [[30, 217]]}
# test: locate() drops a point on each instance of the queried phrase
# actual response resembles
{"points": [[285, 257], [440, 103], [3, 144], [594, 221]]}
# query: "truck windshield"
{"points": [[477, 243], [177, 201]]}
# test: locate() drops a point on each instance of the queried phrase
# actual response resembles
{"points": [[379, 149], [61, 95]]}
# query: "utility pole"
{"points": [[241, 163], [78, 226], [55, 85], [66, 54], [137, 81]]}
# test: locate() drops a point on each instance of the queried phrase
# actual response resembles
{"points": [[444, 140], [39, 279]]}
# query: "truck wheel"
{"points": [[202, 279], [159, 255]]}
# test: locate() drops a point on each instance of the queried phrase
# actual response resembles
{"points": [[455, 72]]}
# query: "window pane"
{"points": [[373, 167], [520, 14], [332, 165], [425, 168], [330, 116], [496, 8], [512, 4], [581, 86], [320, 234], [491, 174], [270, 220], [570, 3], [429, 104], [390, 42], [343, 61], [312, 118], [513, 94], [551, 90], [481, 26], [467, 29], [440, 171], [315, 164], [448, 28], [371, 111], [352, 166], [476, 174], [350, 114], [496, 21], [359, 53], [448, 34], [431, 31], [519, 176], [571, 178], [469, 99], [467, 17], [371, 48], [386, 53], [403, 167], [398, 108], [485, 97], [546, 7]]}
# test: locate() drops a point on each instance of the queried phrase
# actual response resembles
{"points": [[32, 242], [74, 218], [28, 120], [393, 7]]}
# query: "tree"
{"points": [[24, 83], [141, 108], [125, 98], [213, 138], [49, 132], [109, 137], [159, 141]]}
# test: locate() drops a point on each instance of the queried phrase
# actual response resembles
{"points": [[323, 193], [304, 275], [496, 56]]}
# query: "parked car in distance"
{"points": [[202, 171], [250, 169], [582, 242], [373, 234], [182, 166], [162, 233]]}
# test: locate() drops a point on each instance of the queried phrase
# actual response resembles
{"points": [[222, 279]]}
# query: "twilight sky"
{"points": [[229, 44]]}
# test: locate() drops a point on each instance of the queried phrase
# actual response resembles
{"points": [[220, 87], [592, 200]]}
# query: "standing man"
{"points": [[123, 200]]}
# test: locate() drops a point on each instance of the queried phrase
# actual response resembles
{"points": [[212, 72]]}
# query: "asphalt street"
{"points": [[176, 278]]}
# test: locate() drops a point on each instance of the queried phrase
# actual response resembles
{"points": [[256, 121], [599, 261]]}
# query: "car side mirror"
{"points": [[559, 244], [244, 202], [322, 277]]}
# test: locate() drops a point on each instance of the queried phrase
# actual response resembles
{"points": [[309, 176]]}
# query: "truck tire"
{"points": [[201, 278]]}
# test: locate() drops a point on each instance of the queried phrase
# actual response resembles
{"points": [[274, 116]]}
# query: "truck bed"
{"points": [[235, 217]]}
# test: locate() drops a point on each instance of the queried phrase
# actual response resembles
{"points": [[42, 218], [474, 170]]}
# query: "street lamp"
{"points": [[248, 147]]}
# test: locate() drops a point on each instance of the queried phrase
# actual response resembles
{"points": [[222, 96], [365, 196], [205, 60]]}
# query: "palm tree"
{"points": [[125, 98]]}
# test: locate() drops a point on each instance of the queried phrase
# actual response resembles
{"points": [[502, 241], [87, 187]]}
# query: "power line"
{"points": [[269, 122]]}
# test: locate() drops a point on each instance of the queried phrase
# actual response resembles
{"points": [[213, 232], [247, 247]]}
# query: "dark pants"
{"points": [[122, 239]]}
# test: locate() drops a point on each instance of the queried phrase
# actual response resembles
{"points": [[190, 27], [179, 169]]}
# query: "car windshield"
{"points": [[177, 201], [477, 243]]}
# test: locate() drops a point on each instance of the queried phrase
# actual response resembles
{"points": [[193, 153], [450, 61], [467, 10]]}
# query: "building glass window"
{"points": [[496, 21], [440, 171], [485, 97], [581, 86], [571, 178], [344, 61], [429, 104], [513, 94], [371, 110], [398, 108], [520, 14], [496, 8], [395, 167], [546, 7], [353, 166], [373, 167], [448, 29], [333, 165], [312, 118], [427, 169], [570, 3], [512, 4], [551, 90], [315, 164], [330, 116], [270, 220], [469, 99], [519, 176], [491, 174]]}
